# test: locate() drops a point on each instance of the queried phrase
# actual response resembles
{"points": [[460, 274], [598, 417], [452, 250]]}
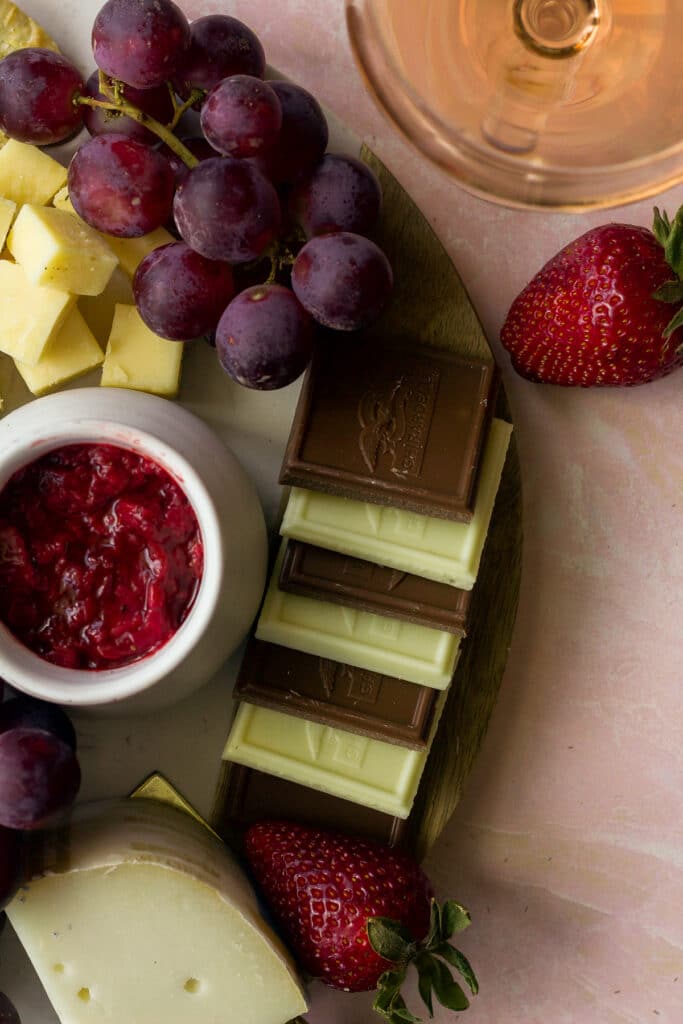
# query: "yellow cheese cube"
{"points": [[73, 352], [139, 359], [130, 251], [28, 175], [57, 249], [98, 310], [8, 211], [31, 314]]}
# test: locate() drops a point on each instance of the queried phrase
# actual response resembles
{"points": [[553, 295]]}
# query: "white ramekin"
{"points": [[233, 534]]}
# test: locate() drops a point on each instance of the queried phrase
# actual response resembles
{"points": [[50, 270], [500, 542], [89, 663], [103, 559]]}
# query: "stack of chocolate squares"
{"points": [[394, 462]]}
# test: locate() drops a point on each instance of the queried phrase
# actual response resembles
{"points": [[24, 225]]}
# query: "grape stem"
{"points": [[162, 131], [180, 108]]}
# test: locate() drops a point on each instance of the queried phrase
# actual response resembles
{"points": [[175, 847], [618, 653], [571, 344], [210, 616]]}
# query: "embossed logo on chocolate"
{"points": [[367, 573], [358, 685], [395, 423]]}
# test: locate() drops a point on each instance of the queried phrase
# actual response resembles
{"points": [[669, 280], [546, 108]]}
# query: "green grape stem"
{"points": [[163, 132]]}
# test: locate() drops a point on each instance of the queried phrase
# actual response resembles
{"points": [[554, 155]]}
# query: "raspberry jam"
{"points": [[100, 556]]}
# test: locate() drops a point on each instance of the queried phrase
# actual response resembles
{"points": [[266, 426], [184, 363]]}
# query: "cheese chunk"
{"points": [[31, 314], [129, 251], [28, 175], [98, 310], [8, 211], [139, 359], [57, 249], [142, 917], [72, 353]]}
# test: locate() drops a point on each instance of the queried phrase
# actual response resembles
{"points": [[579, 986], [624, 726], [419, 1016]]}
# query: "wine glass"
{"points": [[557, 103]]}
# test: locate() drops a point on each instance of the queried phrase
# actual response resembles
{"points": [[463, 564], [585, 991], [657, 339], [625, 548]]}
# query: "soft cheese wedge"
{"points": [[142, 917], [31, 314], [72, 353], [57, 249], [28, 175]]}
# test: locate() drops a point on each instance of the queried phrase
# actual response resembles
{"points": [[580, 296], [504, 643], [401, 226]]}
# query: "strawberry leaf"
{"points": [[661, 227], [670, 291], [434, 933], [673, 248], [454, 917], [447, 991], [425, 980], [673, 324], [458, 960], [390, 940]]}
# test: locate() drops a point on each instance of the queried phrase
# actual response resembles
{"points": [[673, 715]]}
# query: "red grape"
{"points": [[36, 714], [241, 116], [303, 136], [198, 146], [265, 338], [340, 194], [120, 186], [220, 46], [37, 93], [227, 210], [140, 42], [342, 279], [8, 1011], [155, 102], [9, 865], [179, 294], [39, 777]]}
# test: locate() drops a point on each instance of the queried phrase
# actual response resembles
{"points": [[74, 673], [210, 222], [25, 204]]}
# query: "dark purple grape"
{"points": [[340, 194], [9, 865], [198, 146], [8, 1011], [37, 93], [220, 46], [140, 42], [120, 186], [343, 280], [303, 136], [241, 116], [155, 102], [39, 777], [179, 294], [227, 210], [37, 714], [265, 338]]}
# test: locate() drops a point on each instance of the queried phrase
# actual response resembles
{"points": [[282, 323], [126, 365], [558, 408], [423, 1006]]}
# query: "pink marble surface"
{"points": [[568, 846]]}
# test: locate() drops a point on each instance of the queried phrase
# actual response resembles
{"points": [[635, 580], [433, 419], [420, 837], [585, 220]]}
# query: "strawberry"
{"points": [[356, 913], [599, 313]]}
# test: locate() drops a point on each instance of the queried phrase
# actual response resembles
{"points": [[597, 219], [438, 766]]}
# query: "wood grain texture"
{"points": [[430, 304]]}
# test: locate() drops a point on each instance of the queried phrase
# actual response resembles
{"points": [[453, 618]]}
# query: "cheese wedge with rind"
{"points": [[60, 250], [140, 915], [32, 314], [71, 354]]}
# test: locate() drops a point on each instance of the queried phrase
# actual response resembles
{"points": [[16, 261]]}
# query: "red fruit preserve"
{"points": [[100, 556]]}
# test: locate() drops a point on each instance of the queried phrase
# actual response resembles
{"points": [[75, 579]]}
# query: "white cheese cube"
{"points": [[31, 314], [8, 211], [57, 249], [139, 359], [28, 175], [72, 353]]}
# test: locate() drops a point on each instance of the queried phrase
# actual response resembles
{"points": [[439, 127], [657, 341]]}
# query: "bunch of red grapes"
{"points": [[252, 188], [39, 779]]}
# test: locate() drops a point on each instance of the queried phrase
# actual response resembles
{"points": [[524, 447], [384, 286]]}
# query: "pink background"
{"points": [[568, 846]]}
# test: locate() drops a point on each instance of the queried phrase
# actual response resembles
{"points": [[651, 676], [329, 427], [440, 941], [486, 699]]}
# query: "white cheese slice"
{"points": [[142, 917]]}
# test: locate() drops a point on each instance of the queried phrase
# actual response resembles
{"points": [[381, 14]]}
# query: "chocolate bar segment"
{"points": [[255, 796], [391, 425], [329, 576], [324, 691]]}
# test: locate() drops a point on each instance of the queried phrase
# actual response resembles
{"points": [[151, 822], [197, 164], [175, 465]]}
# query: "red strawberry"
{"points": [[356, 913], [596, 314]]}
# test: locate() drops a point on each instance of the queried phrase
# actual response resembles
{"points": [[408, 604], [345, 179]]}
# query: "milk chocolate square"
{"points": [[337, 695], [395, 426], [355, 583]]}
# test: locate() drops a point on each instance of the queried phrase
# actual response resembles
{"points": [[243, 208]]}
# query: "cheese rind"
{"points": [[142, 916], [139, 359], [72, 353], [60, 250], [28, 175], [32, 315]]}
